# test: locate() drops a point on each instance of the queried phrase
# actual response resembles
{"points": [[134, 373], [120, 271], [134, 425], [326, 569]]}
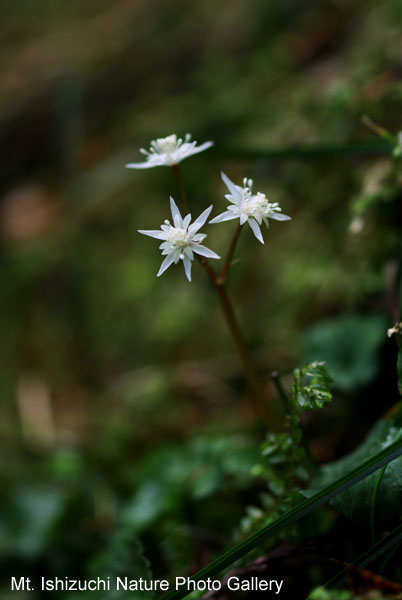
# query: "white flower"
{"points": [[246, 206], [169, 151], [181, 239]]}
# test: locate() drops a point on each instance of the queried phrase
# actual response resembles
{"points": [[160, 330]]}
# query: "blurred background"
{"points": [[122, 399]]}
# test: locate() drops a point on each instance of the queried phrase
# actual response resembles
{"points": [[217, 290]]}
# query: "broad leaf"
{"points": [[355, 502]]}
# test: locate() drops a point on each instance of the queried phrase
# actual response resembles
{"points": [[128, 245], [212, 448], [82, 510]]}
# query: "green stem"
{"points": [[229, 256], [378, 130], [281, 392]]}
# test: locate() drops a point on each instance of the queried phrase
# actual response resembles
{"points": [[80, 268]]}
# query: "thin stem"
{"points": [[229, 256], [233, 325], [281, 391], [228, 312], [181, 188], [378, 130]]}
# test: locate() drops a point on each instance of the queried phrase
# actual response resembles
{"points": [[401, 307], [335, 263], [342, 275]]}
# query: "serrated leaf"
{"points": [[311, 387]]}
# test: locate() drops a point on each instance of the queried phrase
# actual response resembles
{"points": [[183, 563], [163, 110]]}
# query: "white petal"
{"points": [[188, 252], [199, 222], [176, 255], [229, 184], [155, 233], [175, 211], [204, 251], [186, 221], [243, 218], [256, 230], [201, 148], [187, 267], [142, 165], [225, 216], [198, 237], [165, 265], [278, 216]]}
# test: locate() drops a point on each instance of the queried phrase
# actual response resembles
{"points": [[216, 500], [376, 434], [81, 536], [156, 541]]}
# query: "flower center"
{"points": [[178, 237], [165, 145], [256, 205]]}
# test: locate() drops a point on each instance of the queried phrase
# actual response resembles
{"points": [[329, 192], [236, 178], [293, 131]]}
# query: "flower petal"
{"points": [[229, 184], [165, 264], [278, 216], [243, 218], [186, 221], [198, 237], [256, 230], [141, 165], [188, 252], [155, 233], [204, 251], [198, 149], [175, 211], [225, 216], [199, 222], [187, 267]]}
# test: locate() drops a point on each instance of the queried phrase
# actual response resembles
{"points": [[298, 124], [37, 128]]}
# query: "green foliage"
{"points": [[324, 594], [27, 519], [355, 504], [303, 508], [349, 345], [311, 388], [205, 466], [285, 464], [123, 557]]}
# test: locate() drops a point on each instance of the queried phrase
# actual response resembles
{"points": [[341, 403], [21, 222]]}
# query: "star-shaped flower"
{"points": [[169, 151], [181, 240], [248, 207]]}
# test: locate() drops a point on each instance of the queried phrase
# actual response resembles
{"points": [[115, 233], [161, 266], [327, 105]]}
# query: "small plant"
{"points": [[181, 240], [285, 464]]}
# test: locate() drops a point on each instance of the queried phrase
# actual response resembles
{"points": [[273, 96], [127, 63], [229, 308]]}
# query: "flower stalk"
{"points": [[218, 284], [229, 256]]}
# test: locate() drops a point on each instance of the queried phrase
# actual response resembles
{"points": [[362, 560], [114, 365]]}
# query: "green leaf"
{"points": [[311, 388], [349, 346], [355, 503], [300, 510]]}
